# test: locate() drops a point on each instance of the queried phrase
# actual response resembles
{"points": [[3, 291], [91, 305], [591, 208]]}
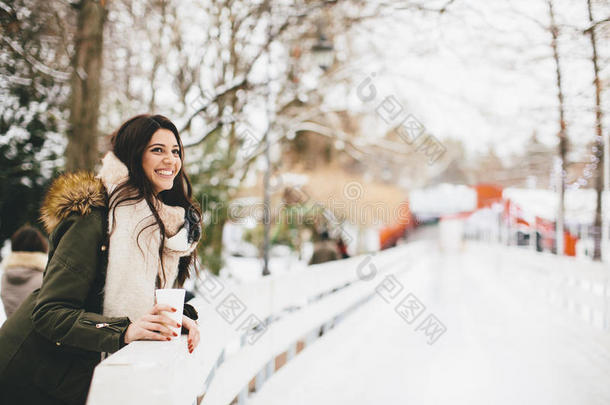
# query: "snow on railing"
{"points": [[244, 328]]}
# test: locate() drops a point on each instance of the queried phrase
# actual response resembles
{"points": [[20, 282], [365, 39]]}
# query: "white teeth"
{"points": [[165, 172]]}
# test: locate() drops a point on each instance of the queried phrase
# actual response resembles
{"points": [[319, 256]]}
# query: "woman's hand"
{"points": [[153, 326], [191, 326]]}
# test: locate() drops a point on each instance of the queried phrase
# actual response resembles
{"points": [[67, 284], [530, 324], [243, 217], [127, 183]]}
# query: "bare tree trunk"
{"points": [[82, 149], [152, 103], [562, 135], [601, 177]]}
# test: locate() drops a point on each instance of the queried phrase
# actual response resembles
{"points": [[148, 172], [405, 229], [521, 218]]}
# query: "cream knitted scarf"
{"points": [[133, 251]]}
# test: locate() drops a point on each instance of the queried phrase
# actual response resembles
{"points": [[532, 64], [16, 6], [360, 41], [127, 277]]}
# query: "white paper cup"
{"points": [[175, 298]]}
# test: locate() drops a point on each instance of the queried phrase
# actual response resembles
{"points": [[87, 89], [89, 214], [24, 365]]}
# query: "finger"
{"points": [[193, 338], [158, 308], [148, 335], [192, 343], [163, 319], [158, 327]]}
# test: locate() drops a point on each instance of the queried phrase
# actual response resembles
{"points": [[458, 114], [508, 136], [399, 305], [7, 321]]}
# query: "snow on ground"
{"points": [[503, 345]]}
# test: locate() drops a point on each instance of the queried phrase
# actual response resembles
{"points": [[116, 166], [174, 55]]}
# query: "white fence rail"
{"points": [[575, 285], [291, 307]]}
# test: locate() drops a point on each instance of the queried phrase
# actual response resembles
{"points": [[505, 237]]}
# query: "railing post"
{"points": [[311, 337], [260, 379], [270, 368], [292, 352], [242, 398]]}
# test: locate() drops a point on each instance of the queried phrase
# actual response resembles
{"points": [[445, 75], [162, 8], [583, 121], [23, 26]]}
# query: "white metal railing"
{"points": [[576, 285], [243, 329], [528, 237]]}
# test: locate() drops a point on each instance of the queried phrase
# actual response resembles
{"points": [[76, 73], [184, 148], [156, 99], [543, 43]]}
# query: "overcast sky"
{"points": [[483, 71]]}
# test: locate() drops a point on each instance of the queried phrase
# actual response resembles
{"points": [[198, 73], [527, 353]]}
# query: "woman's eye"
{"points": [[156, 150], [176, 152]]}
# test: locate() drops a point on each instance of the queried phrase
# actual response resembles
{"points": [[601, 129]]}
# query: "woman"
{"points": [[23, 267], [114, 239]]}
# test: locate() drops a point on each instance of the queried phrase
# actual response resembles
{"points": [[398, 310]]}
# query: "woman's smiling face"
{"points": [[161, 160]]}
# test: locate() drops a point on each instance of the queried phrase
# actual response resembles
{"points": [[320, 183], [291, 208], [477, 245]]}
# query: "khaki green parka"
{"points": [[51, 344]]}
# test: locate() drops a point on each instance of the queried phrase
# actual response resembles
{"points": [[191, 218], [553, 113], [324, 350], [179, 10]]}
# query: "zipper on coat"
{"points": [[101, 325]]}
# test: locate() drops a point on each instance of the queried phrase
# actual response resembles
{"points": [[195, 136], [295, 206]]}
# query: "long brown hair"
{"points": [[129, 143]]}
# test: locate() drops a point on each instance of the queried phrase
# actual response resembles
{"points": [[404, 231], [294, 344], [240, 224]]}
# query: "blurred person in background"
{"points": [[324, 250], [23, 267]]}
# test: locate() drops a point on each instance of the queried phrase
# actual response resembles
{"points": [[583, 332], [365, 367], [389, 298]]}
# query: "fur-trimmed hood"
{"points": [[71, 193], [32, 260]]}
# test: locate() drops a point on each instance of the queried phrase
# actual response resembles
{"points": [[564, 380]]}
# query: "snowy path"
{"points": [[503, 345]]}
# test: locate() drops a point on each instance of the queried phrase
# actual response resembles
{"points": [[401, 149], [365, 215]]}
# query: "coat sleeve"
{"points": [[59, 313]]}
